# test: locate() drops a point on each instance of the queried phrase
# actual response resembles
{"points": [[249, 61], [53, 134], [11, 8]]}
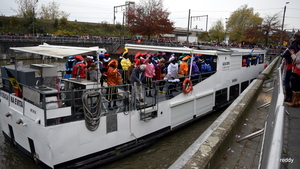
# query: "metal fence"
{"points": [[116, 41], [271, 151]]}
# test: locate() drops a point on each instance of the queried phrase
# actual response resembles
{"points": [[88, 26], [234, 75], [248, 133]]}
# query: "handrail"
{"points": [[274, 128], [101, 39], [72, 98]]}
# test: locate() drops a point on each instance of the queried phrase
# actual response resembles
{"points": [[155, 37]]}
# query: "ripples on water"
{"points": [[11, 158], [158, 156], [167, 149]]}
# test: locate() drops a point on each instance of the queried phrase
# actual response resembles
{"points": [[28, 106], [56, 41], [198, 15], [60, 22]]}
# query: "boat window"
{"points": [[245, 61], [262, 59], [234, 92], [252, 59], [212, 61], [220, 97], [244, 85]]}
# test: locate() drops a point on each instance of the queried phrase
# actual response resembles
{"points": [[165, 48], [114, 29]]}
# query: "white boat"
{"points": [[71, 127]]}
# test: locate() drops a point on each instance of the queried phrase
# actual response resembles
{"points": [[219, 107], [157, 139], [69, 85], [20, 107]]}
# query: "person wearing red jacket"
{"points": [[79, 69], [289, 64], [295, 77]]}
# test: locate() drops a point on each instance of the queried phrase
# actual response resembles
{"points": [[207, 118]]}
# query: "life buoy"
{"points": [[187, 85]]}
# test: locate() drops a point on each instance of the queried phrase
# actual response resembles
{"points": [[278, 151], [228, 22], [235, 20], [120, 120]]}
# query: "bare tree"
{"points": [[51, 11], [26, 8], [271, 28], [29, 9], [268, 31]]}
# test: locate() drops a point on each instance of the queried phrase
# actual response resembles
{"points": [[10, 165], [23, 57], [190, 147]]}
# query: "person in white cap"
{"points": [[172, 76]]}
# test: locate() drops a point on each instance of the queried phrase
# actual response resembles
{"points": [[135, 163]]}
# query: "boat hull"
{"points": [[56, 136]]}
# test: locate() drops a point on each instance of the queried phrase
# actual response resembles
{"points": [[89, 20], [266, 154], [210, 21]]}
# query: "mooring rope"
{"points": [[92, 109]]}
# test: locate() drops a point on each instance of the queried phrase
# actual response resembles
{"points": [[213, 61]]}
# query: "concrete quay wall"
{"points": [[207, 151]]}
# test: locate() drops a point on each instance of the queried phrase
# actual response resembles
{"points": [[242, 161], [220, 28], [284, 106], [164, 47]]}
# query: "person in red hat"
{"points": [[137, 59], [113, 77], [79, 69]]}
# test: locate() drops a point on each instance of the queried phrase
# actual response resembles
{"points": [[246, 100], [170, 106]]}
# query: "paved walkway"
{"points": [[292, 137], [246, 153]]}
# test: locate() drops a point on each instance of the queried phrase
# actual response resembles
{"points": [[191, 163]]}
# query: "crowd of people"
{"points": [[144, 69], [169, 41], [291, 58]]}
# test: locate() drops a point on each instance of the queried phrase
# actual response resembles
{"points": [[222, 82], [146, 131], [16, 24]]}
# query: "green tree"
{"points": [[204, 36], [240, 20], [217, 32], [55, 24], [149, 18], [63, 22]]}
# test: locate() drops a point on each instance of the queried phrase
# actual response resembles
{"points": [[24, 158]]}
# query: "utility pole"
{"points": [[127, 5], [33, 14], [188, 30], [122, 40], [225, 30], [115, 11], [200, 17]]}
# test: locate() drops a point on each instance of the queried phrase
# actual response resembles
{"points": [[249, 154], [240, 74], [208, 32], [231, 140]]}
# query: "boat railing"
{"points": [[81, 100], [75, 39]]}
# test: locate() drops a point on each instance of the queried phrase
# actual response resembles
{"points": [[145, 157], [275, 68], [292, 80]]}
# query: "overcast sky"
{"points": [[100, 10]]}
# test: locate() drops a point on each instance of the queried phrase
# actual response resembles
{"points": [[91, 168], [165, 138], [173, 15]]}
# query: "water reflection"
{"points": [[167, 149]]}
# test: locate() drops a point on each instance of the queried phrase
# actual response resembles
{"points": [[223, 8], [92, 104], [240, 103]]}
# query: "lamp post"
{"points": [[280, 42]]}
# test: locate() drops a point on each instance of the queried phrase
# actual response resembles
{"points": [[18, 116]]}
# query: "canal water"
{"points": [[158, 156]]}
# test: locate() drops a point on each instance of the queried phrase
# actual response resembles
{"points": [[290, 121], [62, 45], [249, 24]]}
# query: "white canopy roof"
{"points": [[170, 49], [160, 48], [216, 51], [58, 51]]}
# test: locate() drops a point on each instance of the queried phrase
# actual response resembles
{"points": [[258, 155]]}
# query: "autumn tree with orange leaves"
{"points": [[148, 18]]}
